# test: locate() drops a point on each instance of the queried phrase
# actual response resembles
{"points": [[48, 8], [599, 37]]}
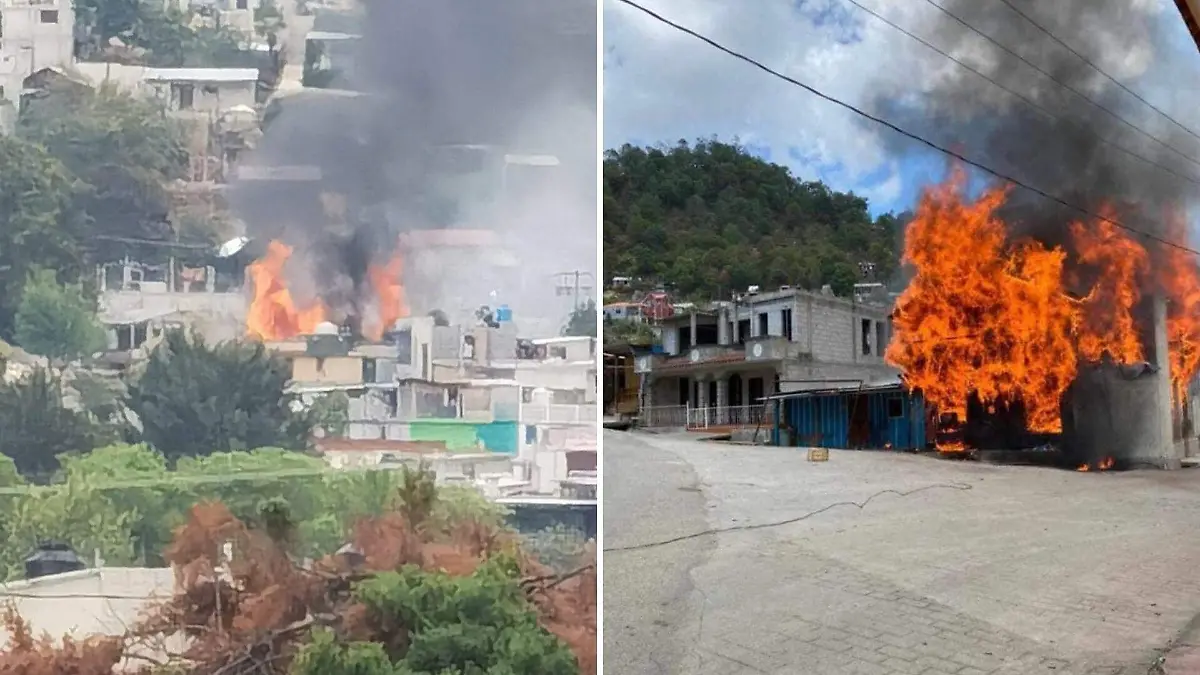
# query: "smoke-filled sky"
{"points": [[661, 85], [519, 76]]}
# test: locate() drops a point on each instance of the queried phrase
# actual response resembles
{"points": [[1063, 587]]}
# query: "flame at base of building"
{"points": [[275, 314], [1005, 326]]}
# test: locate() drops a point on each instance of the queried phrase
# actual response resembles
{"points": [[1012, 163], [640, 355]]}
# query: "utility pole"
{"points": [[574, 287]]}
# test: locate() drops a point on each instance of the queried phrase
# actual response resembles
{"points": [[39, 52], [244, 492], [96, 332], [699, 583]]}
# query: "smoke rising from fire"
{"points": [[1064, 156], [518, 76]]}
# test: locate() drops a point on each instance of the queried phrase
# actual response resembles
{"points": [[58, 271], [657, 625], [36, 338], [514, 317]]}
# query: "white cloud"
{"points": [[661, 85]]}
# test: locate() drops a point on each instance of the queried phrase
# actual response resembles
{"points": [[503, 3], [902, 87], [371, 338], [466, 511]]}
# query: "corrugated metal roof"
{"points": [[839, 388], [201, 75]]}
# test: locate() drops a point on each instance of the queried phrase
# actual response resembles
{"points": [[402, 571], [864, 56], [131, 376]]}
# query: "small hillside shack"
{"points": [[860, 417]]}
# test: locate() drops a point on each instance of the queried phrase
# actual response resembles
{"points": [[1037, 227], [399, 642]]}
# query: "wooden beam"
{"points": [[1190, 10]]}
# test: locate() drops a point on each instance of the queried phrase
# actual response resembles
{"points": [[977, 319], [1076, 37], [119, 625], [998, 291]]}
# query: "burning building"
{"points": [[1059, 308], [1090, 342], [413, 143]]}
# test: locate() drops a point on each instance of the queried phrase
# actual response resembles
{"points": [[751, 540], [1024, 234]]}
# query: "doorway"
{"points": [[735, 391]]}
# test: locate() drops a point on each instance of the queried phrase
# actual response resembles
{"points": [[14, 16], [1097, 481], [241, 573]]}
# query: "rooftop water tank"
{"points": [[52, 557]]}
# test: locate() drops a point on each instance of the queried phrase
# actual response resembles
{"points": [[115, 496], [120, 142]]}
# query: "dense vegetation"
{"points": [[433, 584], [709, 218], [190, 399], [125, 500]]}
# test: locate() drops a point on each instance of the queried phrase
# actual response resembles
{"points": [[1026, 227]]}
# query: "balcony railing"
{"points": [[532, 413], [684, 417]]}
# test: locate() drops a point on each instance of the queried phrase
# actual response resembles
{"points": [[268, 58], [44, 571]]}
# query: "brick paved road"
{"points": [[1029, 571]]}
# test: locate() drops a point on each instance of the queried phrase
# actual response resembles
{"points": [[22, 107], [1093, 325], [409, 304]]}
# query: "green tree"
{"points": [[122, 151], [627, 331], [37, 224], [156, 35], [38, 427], [582, 321], [152, 504], [711, 218], [76, 513], [194, 399], [56, 320], [453, 625]]}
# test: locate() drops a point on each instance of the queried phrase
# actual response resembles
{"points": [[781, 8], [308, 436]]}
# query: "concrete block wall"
{"points": [[830, 329]]}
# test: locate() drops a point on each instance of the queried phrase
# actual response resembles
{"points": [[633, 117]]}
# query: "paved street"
{"points": [[985, 569]]}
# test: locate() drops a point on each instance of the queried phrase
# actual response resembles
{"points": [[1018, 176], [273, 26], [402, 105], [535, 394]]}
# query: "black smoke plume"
{"points": [[1071, 152], [519, 75]]}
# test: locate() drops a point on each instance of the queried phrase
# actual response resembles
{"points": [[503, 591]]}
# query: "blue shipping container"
{"points": [[878, 417]]}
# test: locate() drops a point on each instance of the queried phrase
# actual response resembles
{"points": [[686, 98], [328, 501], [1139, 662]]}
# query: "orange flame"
{"points": [[992, 317], [273, 314], [1103, 465], [1179, 276], [389, 293]]}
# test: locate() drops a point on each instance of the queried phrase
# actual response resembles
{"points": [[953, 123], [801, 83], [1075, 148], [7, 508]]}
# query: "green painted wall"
{"points": [[465, 436]]}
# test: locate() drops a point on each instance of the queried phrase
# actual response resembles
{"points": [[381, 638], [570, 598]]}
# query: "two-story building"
{"points": [[719, 363], [34, 34]]}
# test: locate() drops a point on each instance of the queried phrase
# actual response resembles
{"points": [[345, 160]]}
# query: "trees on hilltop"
{"points": [[710, 217]]}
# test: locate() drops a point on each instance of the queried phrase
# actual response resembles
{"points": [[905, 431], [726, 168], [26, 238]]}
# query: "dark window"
{"points": [[243, 4], [866, 337], [786, 317], [895, 408], [187, 96], [881, 340], [403, 341], [368, 370], [558, 352], [685, 339], [49, 16], [762, 325], [743, 331]]}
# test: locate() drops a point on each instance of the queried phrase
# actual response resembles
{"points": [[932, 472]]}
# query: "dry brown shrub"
{"points": [[29, 655], [249, 615]]}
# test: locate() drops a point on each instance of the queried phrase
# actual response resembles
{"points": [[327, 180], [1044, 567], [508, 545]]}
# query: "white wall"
{"points": [[32, 42], [206, 97]]}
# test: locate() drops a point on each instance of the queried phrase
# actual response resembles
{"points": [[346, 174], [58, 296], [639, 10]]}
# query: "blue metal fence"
{"points": [[881, 417]]}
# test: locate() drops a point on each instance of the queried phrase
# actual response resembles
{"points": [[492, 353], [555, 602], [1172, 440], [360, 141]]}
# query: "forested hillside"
{"points": [[709, 217]]}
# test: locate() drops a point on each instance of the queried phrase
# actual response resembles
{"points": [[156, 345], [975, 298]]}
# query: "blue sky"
{"points": [[661, 85]]}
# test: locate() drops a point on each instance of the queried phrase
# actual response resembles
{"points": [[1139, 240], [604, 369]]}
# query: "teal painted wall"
{"points": [[465, 436]]}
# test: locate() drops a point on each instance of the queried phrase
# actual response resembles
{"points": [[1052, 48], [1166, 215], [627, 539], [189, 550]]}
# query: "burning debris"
{"points": [[999, 327]]}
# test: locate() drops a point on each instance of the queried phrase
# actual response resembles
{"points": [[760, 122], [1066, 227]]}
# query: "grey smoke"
{"points": [[519, 75], [1064, 157]]}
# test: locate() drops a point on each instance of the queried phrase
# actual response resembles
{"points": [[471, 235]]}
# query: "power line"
{"points": [[903, 132], [200, 479], [961, 487], [1034, 104], [1062, 84], [1098, 69]]}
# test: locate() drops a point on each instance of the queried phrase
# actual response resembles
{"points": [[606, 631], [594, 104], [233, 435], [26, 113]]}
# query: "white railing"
{"points": [[533, 413], [678, 416]]}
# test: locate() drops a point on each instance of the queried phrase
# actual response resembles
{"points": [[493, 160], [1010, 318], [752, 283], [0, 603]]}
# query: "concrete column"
{"points": [[1165, 407], [723, 399], [693, 324], [703, 415], [1139, 421]]}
